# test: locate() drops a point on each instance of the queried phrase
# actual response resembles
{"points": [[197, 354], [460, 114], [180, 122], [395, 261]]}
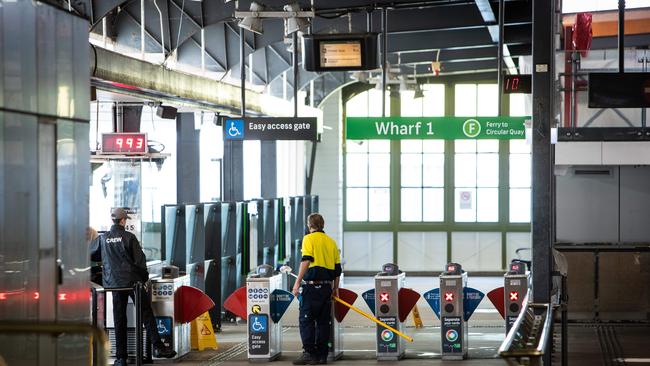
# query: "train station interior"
{"points": [[483, 167]]}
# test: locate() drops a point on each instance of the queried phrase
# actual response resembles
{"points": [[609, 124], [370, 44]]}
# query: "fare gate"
{"points": [[266, 304], [515, 290], [391, 303], [508, 300], [453, 303], [172, 332], [453, 326], [387, 286]]}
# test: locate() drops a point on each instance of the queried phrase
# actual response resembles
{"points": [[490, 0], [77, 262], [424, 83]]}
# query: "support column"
{"points": [[233, 151], [269, 173], [233, 171], [188, 163], [395, 105], [542, 212]]}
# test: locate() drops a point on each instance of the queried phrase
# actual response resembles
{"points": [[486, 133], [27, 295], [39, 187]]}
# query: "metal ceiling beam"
{"points": [[487, 13], [146, 31], [455, 38], [457, 54]]}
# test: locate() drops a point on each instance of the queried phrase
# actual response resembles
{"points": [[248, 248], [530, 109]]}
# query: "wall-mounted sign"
{"points": [[124, 143], [272, 128], [441, 128]]}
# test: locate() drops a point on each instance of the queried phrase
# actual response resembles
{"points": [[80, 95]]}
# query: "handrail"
{"points": [[98, 336], [529, 336], [510, 337]]}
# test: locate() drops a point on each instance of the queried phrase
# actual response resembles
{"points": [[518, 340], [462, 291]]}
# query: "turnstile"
{"points": [[515, 289], [234, 247], [172, 334], [388, 283], [453, 324], [264, 334]]}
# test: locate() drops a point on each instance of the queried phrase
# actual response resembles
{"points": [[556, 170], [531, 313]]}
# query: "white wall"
{"points": [[328, 178]]}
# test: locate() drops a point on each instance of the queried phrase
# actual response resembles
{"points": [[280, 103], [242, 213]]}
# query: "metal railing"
{"points": [[98, 337], [528, 339]]}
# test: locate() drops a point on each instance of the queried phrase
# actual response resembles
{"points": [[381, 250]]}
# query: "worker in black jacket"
{"points": [[124, 264]]}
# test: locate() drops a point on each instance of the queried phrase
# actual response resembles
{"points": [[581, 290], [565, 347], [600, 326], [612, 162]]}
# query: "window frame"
{"points": [[448, 225]]}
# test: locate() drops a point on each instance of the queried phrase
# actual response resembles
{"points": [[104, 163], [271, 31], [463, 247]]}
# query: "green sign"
{"points": [[441, 128]]}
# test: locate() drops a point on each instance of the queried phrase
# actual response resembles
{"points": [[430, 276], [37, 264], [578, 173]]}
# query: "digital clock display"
{"points": [[517, 84], [124, 143]]}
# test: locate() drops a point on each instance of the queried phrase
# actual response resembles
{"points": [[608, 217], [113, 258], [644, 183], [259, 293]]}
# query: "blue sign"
{"points": [[234, 129], [471, 298], [280, 301], [369, 297], [164, 324], [258, 323], [433, 299]]}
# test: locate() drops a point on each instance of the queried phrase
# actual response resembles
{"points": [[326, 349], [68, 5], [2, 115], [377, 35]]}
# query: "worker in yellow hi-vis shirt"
{"points": [[320, 269]]}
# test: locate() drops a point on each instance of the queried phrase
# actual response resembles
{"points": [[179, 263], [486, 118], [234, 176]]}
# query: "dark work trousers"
{"points": [[315, 319], [120, 299]]}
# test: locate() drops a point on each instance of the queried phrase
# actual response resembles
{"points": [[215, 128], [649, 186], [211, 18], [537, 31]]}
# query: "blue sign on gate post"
{"points": [[433, 299], [471, 298], [369, 297], [280, 301]]}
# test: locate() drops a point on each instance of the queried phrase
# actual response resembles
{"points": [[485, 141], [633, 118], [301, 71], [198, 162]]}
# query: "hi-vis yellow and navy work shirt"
{"points": [[322, 252]]}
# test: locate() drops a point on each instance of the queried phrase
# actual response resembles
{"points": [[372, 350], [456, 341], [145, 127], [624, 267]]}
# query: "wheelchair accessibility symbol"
{"points": [[258, 323], [164, 325], [234, 129]]}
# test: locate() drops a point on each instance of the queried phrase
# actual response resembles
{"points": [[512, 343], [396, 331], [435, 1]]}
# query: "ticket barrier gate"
{"points": [[172, 333], [391, 303], [262, 302], [508, 300], [263, 298], [453, 303]]}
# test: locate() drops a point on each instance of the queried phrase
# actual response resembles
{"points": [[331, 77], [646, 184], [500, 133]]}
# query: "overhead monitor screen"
{"points": [[340, 54]]}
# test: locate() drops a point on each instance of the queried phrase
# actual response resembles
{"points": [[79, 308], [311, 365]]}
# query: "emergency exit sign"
{"points": [[442, 128]]}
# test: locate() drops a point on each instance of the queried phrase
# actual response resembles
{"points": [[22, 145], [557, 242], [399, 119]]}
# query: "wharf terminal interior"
{"points": [[349, 182]]}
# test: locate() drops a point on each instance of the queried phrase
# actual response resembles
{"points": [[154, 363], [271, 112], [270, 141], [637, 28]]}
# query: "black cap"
{"points": [[118, 213]]}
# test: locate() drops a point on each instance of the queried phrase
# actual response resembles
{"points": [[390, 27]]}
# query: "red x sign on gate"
{"points": [[383, 297], [514, 296], [449, 296]]}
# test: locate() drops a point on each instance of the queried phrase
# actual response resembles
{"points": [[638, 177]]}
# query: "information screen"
{"points": [[124, 143], [334, 54]]}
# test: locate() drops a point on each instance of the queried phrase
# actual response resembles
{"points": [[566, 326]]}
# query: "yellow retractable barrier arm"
{"points": [[368, 316]]}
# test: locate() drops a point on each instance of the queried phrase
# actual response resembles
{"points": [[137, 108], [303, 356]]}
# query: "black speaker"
{"points": [[166, 112]]}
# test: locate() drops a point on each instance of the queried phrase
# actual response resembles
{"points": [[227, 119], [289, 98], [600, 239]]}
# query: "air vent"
{"points": [[592, 172]]}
